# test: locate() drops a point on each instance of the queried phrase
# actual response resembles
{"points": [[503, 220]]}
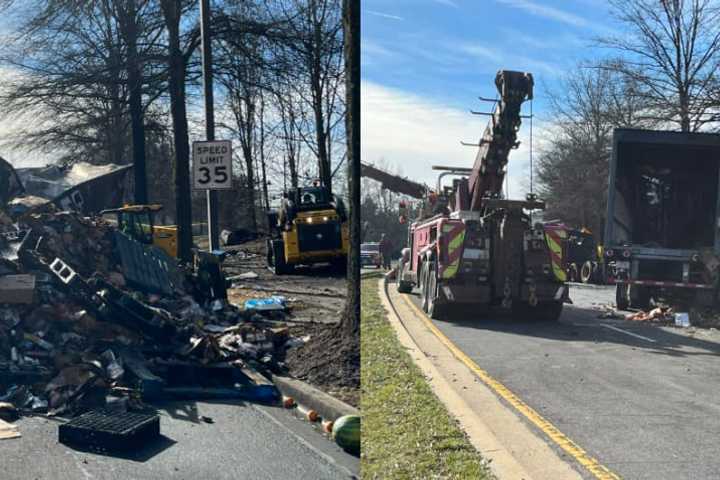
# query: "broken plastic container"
{"points": [[682, 319], [265, 304]]}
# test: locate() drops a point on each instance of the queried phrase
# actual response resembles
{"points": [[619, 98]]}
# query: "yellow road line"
{"points": [[593, 466]]}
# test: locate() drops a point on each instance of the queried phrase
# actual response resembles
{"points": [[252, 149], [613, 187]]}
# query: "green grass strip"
{"points": [[406, 432]]}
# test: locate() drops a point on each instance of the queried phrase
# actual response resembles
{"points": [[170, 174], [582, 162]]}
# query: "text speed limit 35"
{"points": [[212, 165]]}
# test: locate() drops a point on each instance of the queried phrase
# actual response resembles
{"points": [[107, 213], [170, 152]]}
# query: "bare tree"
{"points": [[292, 118], [670, 50], [177, 66], [242, 81], [69, 80], [137, 21], [83, 69], [313, 53], [573, 164]]}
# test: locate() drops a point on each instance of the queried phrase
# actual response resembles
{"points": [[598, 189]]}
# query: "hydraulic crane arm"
{"points": [[500, 136], [394, 183]]}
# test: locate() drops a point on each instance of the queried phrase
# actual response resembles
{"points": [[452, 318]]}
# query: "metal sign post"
{"points": [[212, 200]]}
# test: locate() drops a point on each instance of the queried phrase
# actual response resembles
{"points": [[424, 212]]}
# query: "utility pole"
{"points": [[212, 196]]}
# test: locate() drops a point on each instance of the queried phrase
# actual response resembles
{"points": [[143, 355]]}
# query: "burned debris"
{"points": [[92, 322]]}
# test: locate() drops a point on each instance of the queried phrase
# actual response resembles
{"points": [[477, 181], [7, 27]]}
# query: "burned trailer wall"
{"points": [[107, 191], [664, 190], [81, 187]]}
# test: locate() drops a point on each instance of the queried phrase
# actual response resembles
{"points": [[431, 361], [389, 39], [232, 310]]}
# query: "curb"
{"points": [[328, 407]]}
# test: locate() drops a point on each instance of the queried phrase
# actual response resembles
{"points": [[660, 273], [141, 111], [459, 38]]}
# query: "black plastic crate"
{"points": [[110, 431]]}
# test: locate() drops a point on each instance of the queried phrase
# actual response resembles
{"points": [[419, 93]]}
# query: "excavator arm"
{"points": [[499, 138]]}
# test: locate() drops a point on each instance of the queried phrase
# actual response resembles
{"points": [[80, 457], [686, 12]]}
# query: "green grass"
{"points": [[406, 432]]}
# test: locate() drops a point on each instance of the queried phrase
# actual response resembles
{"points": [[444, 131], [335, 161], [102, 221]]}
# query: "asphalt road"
{"points": [[245, 441], [642, 399]]}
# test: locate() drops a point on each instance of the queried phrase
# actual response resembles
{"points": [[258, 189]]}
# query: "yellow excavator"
{"points": [[310, 227], [138, 222]]}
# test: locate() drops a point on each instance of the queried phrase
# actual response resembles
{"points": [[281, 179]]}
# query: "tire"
{"points": [[424, 286], [586, 272], [402, 287], [622, 300], [572, 273], [435, 310], [269, 253], [279, 267]]}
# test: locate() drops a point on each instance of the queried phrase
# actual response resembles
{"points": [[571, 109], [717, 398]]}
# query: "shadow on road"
{"points": [[319, 270], [582, 324], [187, 411], [140, 455]]}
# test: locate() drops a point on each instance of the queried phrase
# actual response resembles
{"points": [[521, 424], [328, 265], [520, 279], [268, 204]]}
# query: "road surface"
{"points": [[641, 399], [244, 441]]}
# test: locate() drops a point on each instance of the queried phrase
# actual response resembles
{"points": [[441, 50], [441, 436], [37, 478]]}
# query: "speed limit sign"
{"points": [[212, 165]]}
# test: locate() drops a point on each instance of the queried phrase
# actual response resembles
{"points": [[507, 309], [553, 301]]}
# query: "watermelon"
{"points": [[346, 433]]}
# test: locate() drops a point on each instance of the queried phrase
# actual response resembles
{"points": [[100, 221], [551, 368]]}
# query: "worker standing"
{"points": [[385, 251]]}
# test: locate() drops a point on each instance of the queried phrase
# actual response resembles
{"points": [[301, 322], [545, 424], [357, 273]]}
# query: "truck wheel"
{"points": [[424, 286], [572, 273], [435, 311], [402, 287], [586, 272], [269, 253], [622, 301], [279, 267]]}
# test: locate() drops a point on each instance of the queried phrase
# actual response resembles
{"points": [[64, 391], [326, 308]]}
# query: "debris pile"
{"points": [[87, 323], [660, 314]]}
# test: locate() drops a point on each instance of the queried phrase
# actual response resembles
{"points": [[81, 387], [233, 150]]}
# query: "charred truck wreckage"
{"points": [[473, 248], [662, 236]]}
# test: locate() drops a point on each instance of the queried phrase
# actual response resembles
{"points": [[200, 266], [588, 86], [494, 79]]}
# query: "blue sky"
{"points": [[425, 62]]}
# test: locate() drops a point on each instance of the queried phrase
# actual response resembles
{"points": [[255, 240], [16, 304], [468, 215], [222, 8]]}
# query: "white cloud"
{"points": [[509, 59], [371, 50], [449, 3], [384, 15], [481, 51], [548, 12], [415, 133]]}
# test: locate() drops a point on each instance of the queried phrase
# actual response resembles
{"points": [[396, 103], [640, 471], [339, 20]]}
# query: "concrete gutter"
{"points": [[328, 407]]}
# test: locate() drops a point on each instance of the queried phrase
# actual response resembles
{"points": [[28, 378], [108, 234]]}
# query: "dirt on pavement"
{"points": [[315, 297]]}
